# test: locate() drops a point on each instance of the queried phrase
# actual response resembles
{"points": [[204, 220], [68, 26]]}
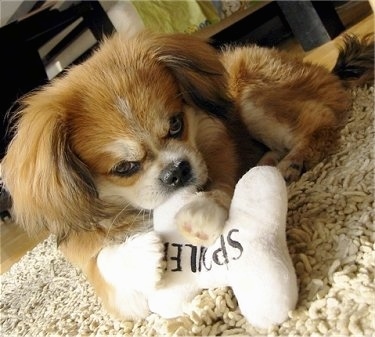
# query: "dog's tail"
{"points": [[355, 63]]}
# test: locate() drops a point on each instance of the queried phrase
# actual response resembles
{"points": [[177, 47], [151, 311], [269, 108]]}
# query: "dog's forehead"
{"points": [[139, 89], [127, 148], [117, 99], [152, 117]]}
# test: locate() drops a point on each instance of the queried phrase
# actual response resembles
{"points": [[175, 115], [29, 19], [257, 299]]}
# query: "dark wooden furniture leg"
{"points": [[22, 68], [313, 23]]}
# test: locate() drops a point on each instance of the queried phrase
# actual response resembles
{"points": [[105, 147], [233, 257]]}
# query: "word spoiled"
{"points": [[199, 261]]}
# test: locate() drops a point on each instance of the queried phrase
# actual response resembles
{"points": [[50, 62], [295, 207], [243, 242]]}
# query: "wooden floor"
{"points": [[15, 243]]}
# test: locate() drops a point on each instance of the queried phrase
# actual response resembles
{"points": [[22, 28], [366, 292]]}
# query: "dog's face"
{"points": [[130, 125], [117, 131]]}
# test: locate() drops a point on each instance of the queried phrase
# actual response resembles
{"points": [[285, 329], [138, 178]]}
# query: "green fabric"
{"points": [[176, 16]]}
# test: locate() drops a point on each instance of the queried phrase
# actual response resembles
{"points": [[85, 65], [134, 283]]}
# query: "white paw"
{"points": [[150, 262], [201, 221], [137, 263]]}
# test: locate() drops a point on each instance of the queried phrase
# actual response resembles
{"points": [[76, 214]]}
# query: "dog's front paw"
{"points": [[137, 263], [201, 221], [149, 260]]}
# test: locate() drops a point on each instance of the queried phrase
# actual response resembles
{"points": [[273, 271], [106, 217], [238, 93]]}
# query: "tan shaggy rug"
{"points": [[331, 239]]}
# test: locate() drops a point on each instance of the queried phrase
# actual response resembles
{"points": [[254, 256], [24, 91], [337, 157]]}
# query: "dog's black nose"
{"points": [[176, 174]]}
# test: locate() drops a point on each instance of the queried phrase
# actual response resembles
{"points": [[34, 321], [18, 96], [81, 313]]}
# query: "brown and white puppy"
{"points": [[95, 151], [98, 149]]}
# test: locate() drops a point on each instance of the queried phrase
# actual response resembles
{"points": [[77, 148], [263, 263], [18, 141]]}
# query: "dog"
{"points": [[97, 149]]}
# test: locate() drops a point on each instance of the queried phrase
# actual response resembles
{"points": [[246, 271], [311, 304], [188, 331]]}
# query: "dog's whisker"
{"points": [[113, 222], [149, 216], [140, 214]]}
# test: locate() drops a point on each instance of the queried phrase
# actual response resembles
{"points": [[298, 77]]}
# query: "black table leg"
{"points": [[313, 23]]}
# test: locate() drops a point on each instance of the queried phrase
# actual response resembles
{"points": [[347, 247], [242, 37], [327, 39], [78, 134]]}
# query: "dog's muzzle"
{"points": [[176, 174]]}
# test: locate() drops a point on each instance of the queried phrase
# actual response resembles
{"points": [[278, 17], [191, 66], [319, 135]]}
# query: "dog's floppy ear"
{"points": [[49, 185], [198, 70]]}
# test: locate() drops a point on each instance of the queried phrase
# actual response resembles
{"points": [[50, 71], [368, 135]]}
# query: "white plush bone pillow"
{"points": [[251, 255]]}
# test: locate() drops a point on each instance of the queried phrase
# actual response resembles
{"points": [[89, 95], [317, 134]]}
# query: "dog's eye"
{"points": [[176, 126], [126, 168]]}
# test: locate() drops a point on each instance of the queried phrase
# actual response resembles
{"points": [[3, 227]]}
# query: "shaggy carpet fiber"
{"points": [[330, 233]]}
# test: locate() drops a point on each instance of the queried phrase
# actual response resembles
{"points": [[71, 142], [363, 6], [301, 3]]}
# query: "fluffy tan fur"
{"points": [[292, 107], [117, 107]]}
